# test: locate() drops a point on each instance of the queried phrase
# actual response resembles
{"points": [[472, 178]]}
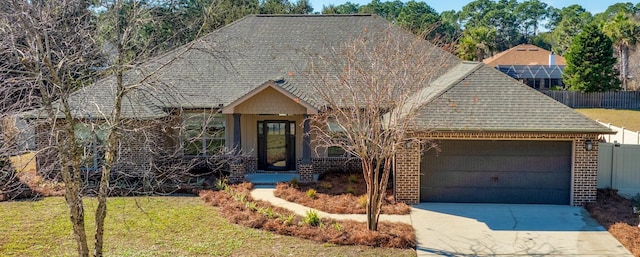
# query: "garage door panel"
{"points": [[496, 179], [502, 195], [497, 171], [488, 147], [506, 163]]}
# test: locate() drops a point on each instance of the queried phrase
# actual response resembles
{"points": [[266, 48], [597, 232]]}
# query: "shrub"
{"points": [[351, 190], [240, 197], [267, 212], [312, 193], [352, 179], [337, 226], [312, 218], [222, 184], [294, 182], [288, 220], [325, 185], [362, 201], [251, 206]]}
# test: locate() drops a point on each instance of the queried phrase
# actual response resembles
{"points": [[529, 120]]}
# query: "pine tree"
{"points": [[590, 62]]}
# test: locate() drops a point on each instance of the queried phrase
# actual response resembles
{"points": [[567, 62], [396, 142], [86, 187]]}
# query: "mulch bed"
{"points": [[614, 212], [236, 205], [339, 192]]}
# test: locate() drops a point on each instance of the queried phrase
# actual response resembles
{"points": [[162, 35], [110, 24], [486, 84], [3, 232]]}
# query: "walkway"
{"points": [[266, 194]]}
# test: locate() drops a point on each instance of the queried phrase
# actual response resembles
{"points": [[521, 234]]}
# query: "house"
{"points": [[534, 66], [239, 87]]}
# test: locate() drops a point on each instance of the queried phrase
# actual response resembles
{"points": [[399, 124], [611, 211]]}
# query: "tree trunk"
{"points": [[71, 175], [480, 54], [76, 211], [109, 160], [376, 189], [624, 65]]}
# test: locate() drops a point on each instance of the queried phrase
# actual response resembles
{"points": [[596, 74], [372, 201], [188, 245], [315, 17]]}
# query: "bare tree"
{"points": [[371, 88], [51, 60], [49, 51]]}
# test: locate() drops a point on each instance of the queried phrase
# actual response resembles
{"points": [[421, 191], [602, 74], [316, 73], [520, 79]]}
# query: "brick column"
{"points": [[585, 171], [306, 173], [237, 172], [407, 180]]}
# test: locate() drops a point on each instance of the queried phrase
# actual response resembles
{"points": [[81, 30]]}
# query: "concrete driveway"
{"points": [[452, 229]]}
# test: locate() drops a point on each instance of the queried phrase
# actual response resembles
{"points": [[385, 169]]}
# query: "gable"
{"points": [[488, 100], [269, 101], [524, 55]]}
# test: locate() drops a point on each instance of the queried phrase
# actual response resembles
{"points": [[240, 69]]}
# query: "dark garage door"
{"points": [[468, 171]]}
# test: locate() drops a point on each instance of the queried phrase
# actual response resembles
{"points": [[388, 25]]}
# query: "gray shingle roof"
{"points": [[488, 100], [228, 63]]}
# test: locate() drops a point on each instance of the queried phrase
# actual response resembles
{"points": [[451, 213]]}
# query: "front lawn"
{"points": [[154, 226], [621, 118]]}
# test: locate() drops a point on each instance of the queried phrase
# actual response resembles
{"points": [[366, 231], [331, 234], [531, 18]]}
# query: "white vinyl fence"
{"points": [[619, 167], [624, 136]]}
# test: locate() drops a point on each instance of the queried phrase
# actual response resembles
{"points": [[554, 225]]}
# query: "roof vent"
{"points": [[521, 49], [533, 49]]}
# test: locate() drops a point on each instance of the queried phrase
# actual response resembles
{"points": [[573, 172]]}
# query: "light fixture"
{"points": [[588, 145]]}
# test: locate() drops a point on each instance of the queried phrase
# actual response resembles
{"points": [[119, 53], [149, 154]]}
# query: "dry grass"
{"points": [[614, 212], [333, 195], [25, 183], [237, 206], [344, 203], [24, 162], [621, 118]]}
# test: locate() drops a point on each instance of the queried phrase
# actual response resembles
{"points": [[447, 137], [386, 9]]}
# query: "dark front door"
{"points": [[276, 145]]}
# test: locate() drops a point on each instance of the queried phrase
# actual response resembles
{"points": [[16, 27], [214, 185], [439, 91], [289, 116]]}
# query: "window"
{"points": [[337, 134], [336, 151], [91, 138], [204, 133]]}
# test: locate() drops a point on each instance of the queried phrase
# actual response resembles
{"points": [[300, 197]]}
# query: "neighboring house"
{"points": [[534, 66], [500, 140]]}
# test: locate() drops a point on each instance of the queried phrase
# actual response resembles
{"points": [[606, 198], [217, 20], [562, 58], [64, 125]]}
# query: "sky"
{"points": [[593, 6]]}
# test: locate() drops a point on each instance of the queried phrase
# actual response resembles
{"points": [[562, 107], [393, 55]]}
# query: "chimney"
{"points": [[552, 59]]}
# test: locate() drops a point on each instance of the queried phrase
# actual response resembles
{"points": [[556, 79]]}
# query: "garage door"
{"points": [[497, 172]]}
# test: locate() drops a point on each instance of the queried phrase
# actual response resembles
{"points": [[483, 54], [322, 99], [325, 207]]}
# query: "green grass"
{"points": [[621, 118], [153, 226]]}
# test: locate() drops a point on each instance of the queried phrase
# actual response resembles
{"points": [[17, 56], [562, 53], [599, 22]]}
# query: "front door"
{"points": [[276, 145]]}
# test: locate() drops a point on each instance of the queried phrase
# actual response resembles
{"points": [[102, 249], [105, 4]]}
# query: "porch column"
{"points": [[237, 137], [305, 169], [306, 141]]}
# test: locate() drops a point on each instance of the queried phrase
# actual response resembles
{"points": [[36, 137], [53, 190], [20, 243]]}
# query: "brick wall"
{"points": [[143, 148], [327, 164], [407, 182], [585, 171], [585, 163]]}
